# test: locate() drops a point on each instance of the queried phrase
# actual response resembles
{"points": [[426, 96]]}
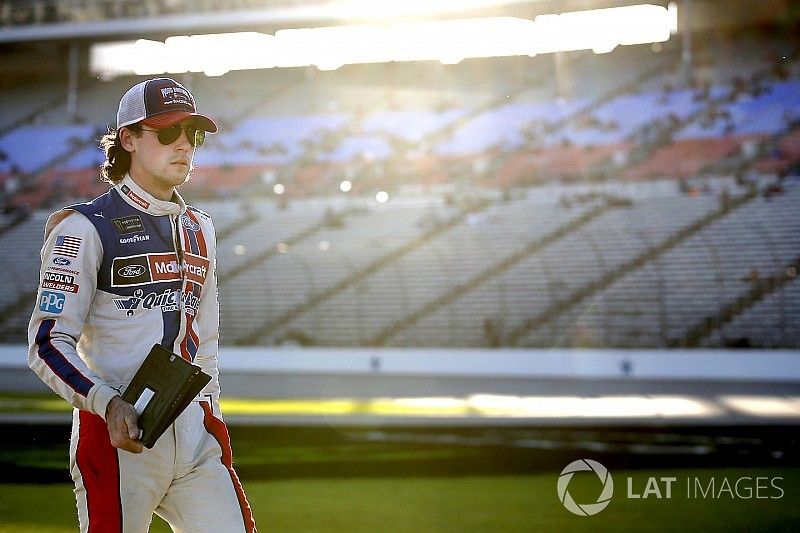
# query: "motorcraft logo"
{"points": [[59, 282], [167, 300], [157, 268], [585, 509]]}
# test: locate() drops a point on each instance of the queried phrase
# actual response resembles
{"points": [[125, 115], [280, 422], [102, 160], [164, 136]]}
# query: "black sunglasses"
{"points": [[167, 136]]}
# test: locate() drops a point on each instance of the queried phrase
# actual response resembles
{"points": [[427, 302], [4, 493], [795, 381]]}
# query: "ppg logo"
{"points": [[52, 302]]}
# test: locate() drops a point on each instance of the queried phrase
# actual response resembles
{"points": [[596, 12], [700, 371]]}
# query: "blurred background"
{"points": [[461, 244]]}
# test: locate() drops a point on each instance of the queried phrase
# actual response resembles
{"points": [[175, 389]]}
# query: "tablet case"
{"points": [[162, 388]]}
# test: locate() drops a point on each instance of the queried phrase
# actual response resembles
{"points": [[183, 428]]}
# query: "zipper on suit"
{"points": [[176, 243]]}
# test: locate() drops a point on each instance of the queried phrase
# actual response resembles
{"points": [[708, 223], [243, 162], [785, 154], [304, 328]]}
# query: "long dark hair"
{"points": [[118, 159]]}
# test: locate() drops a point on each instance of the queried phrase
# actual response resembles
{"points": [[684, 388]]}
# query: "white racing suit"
{"points": [[120, 274]]}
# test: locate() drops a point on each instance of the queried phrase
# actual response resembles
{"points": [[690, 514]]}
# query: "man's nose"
{"points": [[183, 141]]}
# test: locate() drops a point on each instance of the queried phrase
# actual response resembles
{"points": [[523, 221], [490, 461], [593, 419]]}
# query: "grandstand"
{"points": [[476, 247]]}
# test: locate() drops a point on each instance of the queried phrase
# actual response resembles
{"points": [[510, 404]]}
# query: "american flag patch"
{"points": [[67, 245]]}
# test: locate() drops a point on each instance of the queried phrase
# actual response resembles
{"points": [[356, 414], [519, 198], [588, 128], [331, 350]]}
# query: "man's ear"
{"points": [[126, 139]]}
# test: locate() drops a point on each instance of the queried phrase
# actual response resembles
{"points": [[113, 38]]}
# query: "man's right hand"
{"points": [[122, 428]]}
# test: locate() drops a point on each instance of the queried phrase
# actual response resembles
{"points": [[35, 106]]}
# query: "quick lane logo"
{"points": [[157, 268], [167, 300], [585, 509], [59, 282]]}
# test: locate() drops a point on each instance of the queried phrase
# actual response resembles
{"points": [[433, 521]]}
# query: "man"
{"points": [[133, 268]]}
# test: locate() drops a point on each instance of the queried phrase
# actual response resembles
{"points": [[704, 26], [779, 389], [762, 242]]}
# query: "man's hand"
{"points": [[122, 428]]}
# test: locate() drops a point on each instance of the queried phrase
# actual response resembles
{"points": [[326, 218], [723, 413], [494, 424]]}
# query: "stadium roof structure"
{"points": [[54, 20], [43, 39], [198, 17]]}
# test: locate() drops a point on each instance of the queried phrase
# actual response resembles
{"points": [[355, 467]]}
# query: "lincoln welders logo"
{"points": [[585, 509]]}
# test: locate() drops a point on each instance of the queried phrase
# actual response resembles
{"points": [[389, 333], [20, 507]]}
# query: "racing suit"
{"points": [[120, 274]]}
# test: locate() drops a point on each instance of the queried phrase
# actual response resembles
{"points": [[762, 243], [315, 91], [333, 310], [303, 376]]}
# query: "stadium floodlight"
{"points": [[446, 41], [390, 9]]}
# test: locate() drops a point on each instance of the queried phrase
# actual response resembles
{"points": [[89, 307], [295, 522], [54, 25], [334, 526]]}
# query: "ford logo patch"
{"points": [[190, 224], [62, 261], [131, 271]]}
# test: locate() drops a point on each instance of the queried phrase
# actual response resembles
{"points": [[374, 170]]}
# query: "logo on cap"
{"points": [[163, 95], [176, 97], [162, 101]]}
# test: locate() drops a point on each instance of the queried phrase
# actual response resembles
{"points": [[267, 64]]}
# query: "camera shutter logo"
{"points": [[585, 509]]}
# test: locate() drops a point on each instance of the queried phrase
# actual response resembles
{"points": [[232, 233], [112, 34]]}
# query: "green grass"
{"points": [[374, 479], [462, 504]]}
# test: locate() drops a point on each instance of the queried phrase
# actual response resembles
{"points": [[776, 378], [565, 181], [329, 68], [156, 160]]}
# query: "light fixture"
{"points": [[447, 41]]}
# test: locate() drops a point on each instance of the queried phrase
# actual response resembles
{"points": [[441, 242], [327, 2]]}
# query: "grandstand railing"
{"points": [[325, 294], [761, 288], [482, 277], [561, 305]]}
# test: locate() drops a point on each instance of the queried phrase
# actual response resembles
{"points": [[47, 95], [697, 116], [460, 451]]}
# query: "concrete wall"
{"points": [[356, 372]]}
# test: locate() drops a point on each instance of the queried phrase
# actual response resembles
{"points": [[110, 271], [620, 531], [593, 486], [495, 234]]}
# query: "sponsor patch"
{"points": [[62, 261], [134, 238], [164, 267], [133, 270], [52, 302], [196, 268], [175, 96], [67, 245], [167, 300], [130, 224], [59, 282], [189, 224], [65, 270], [135, 197], [157, 268], [129, 305]]}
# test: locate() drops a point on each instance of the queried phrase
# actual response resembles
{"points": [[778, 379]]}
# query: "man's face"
{"points": [[159, 167]]}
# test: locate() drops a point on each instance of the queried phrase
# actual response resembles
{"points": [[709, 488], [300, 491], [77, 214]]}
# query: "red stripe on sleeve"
{"points": [[201, 240]]}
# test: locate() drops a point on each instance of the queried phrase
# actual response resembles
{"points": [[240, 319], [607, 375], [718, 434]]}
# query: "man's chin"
{"points": [[183, 176], [187, 175]]}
